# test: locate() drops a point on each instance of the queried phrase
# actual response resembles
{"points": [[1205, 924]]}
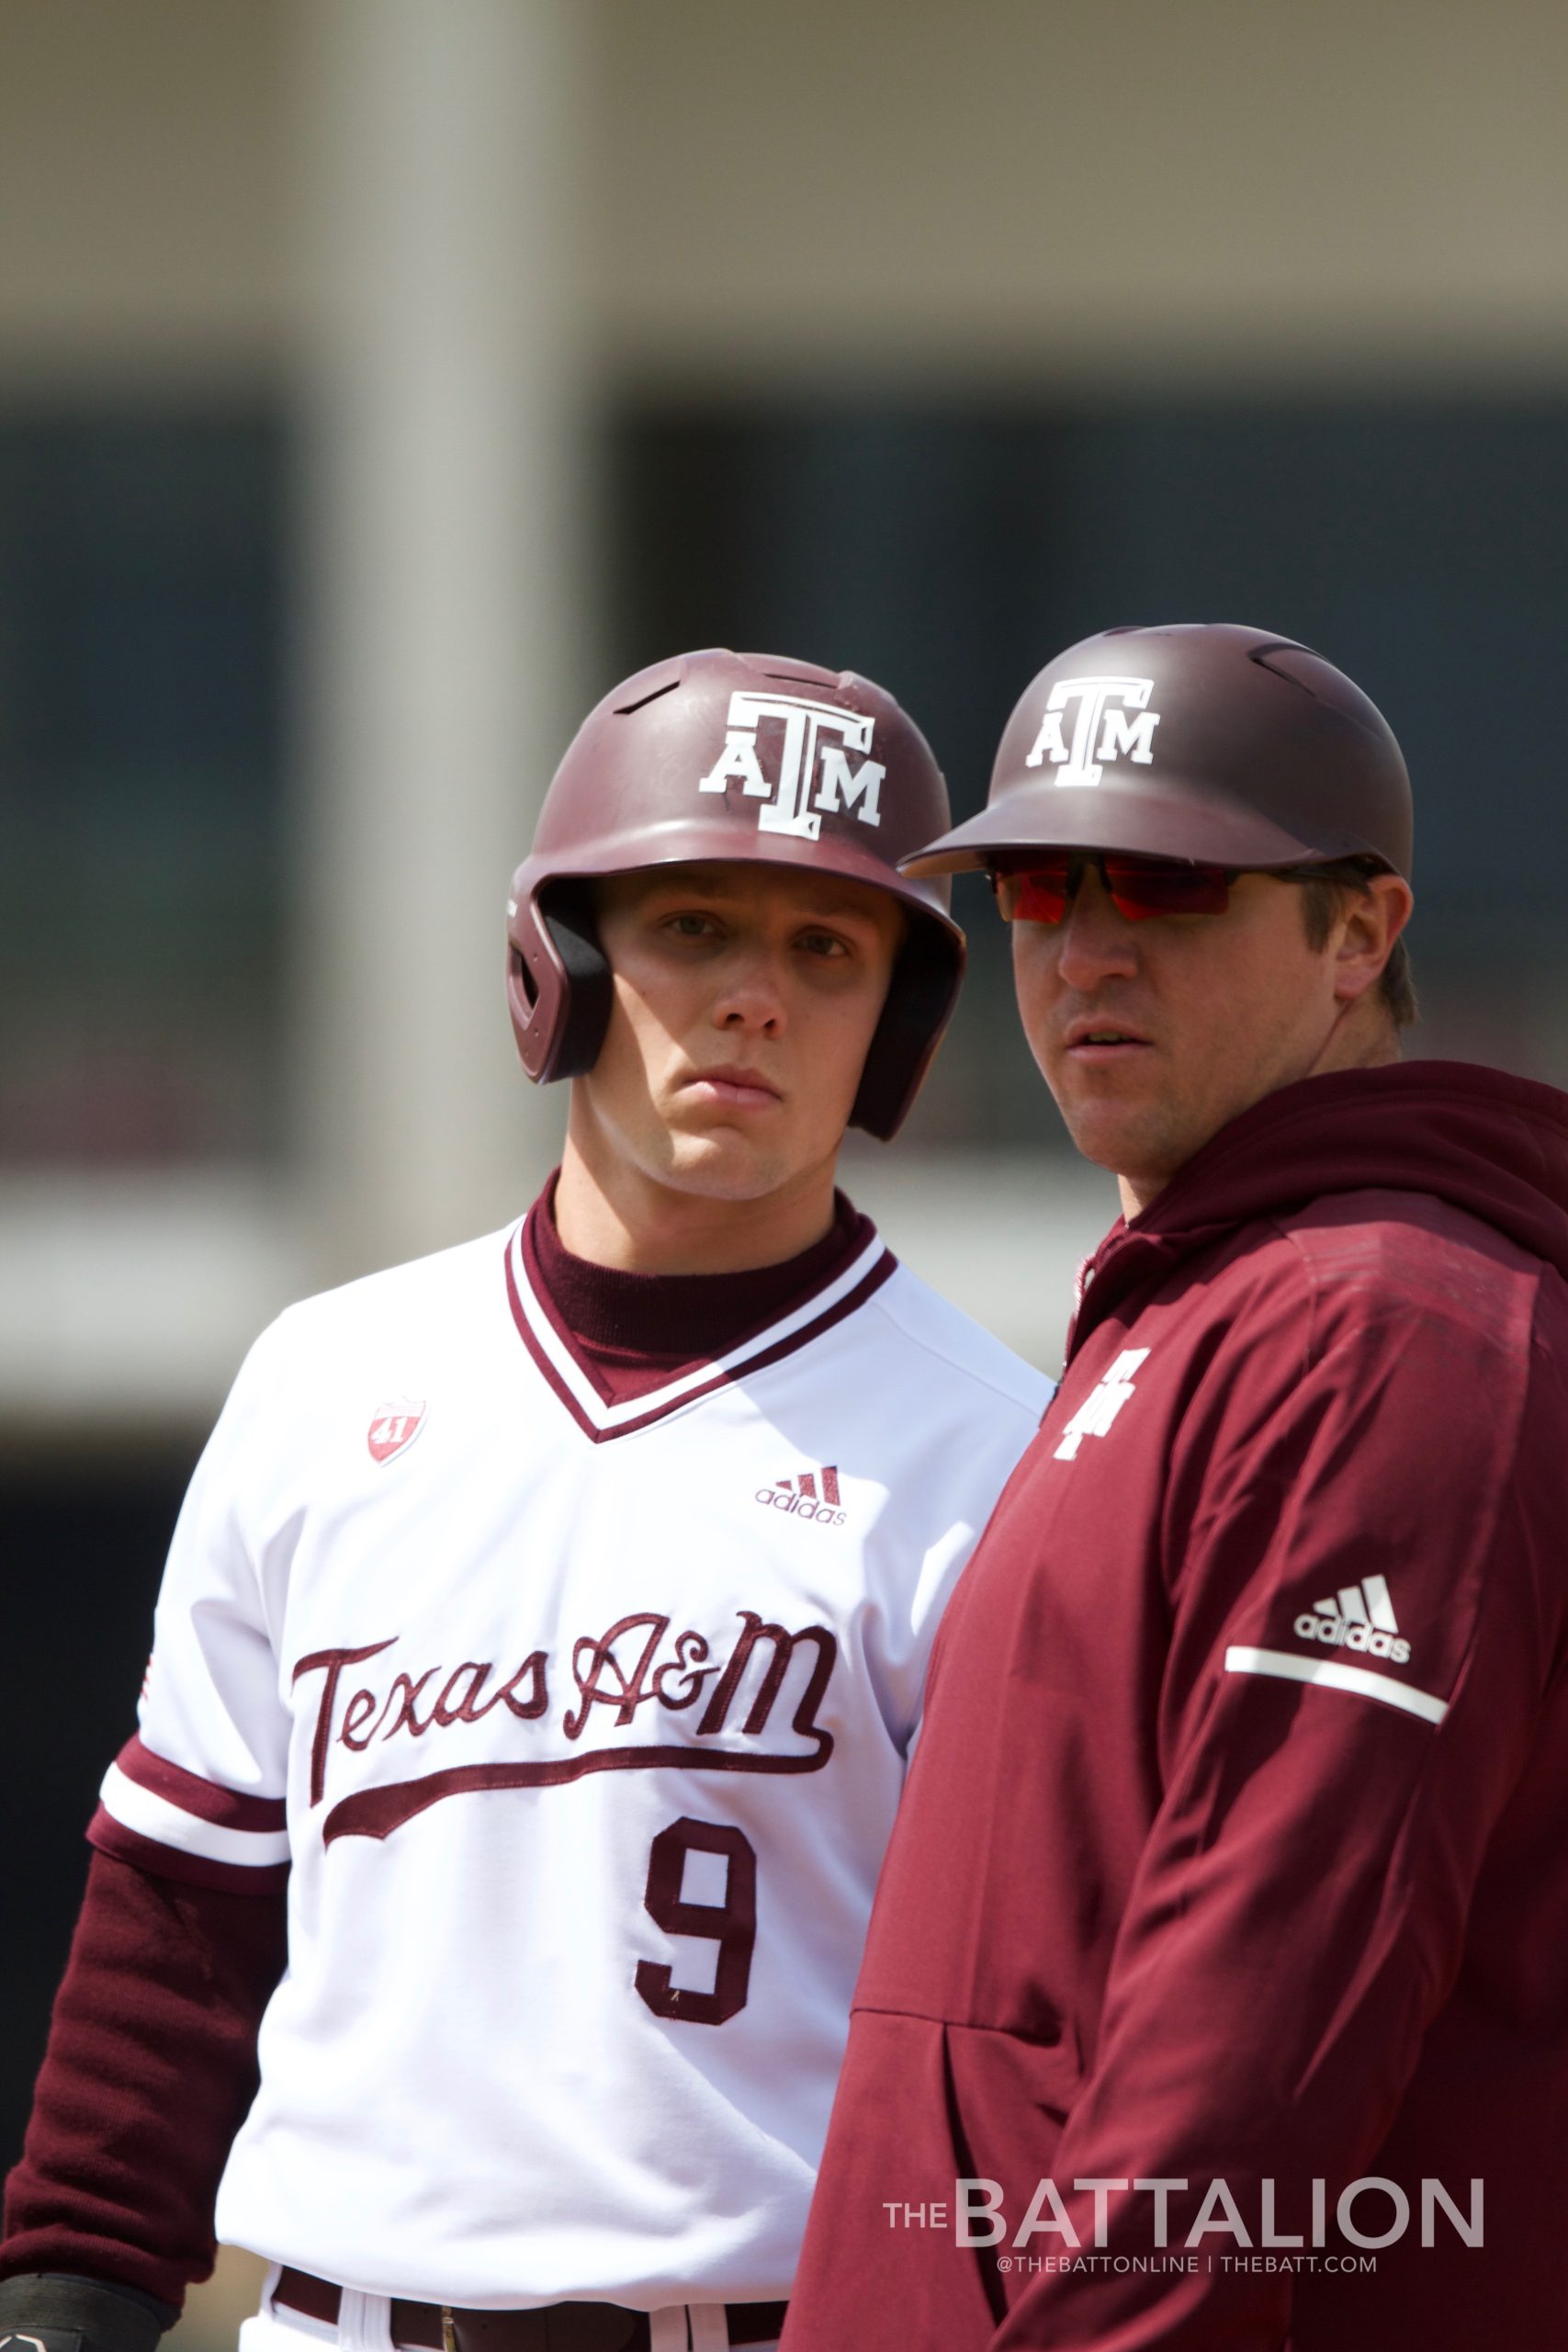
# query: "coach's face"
{"points": [[745, 999], [1152, 1034]]}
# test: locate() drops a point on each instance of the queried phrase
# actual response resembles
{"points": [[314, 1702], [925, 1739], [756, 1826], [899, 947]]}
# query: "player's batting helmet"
{"points": [[721, 756], [1198, 739]]}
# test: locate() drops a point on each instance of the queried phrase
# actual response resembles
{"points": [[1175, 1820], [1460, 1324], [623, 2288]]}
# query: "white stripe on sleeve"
{"points": [[153, 1816], [1241, 1658]]}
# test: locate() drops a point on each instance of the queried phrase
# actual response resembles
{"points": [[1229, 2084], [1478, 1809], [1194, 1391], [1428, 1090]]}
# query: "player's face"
{"points": [[1152, 1034], [745, 999]]}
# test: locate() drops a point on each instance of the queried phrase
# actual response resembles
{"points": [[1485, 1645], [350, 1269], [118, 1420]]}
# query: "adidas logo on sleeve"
{"points": [[1359, 1617]]}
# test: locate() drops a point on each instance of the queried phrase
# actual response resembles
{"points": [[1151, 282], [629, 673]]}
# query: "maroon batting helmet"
{"points": [[722, 756], [1198, 740]]}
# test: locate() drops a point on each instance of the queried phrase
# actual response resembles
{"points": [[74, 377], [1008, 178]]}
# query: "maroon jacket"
{"points": [[1236, 1843]]}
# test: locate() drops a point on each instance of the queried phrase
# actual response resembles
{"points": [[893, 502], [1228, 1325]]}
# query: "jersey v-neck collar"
{"points": [[563, 1363]]}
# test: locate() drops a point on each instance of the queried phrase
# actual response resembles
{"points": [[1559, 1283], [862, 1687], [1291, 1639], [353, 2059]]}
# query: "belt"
{"points": [[555, 2327]]}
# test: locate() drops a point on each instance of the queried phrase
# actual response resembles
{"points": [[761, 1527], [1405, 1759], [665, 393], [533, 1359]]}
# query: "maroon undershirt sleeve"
{"points": [[150, 2068]]}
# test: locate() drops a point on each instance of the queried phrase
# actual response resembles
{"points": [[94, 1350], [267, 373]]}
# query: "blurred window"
{"points": [[141, 909]]}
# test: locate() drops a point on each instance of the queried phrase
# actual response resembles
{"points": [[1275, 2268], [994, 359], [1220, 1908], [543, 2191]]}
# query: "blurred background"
{"points": [[380, 379]]}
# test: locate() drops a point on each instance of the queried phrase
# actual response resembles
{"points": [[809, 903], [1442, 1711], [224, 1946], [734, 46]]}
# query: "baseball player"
{"points": [[1216, 1983], [542, 1636]]}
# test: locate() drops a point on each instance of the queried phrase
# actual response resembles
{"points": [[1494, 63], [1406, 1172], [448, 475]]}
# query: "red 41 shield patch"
{"points": [[394, 1426]]}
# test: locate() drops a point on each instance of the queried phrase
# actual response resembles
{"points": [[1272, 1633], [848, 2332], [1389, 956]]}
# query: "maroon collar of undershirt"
{"points": [[634, 1332]]}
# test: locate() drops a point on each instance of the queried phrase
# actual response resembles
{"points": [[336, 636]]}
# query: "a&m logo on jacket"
{"points": [[1102, 1404], [1086, 725], [808, 745]]}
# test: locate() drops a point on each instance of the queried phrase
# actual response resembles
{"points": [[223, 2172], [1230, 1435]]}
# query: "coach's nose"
{"points": [[1094, 941]]}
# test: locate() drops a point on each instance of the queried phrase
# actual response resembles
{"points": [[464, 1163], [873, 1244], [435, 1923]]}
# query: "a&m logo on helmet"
{"points": [[1096, 711], [808, 745]]}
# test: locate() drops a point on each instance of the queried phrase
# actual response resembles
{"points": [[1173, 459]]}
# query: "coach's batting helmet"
{"points": [[721, 756], [1198, 739]]}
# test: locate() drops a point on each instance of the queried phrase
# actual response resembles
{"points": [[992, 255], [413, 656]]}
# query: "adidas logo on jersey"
{"points": [[1360, 1617], [800, 1496]]}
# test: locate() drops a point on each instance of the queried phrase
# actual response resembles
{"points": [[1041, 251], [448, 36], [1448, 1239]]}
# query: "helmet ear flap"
{"points": [[558, 985], [568, 915], [921, 998]]}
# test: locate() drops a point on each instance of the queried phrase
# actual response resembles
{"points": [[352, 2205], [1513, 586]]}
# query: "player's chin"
{"points": [[721, 1165]]}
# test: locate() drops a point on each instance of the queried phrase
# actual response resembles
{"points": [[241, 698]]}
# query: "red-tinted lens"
{"points": [[1039, 896], [1141, 887]]}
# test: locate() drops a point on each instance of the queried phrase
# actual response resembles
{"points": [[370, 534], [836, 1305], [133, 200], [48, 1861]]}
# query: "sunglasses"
{"points": [[1138, 888]]}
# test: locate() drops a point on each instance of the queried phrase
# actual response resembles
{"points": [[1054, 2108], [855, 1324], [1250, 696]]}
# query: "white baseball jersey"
{"points": [[578, 1729]]}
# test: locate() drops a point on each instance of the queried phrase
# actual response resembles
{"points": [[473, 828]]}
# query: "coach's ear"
{"points": [[1370, 925], [65, 2314]]}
